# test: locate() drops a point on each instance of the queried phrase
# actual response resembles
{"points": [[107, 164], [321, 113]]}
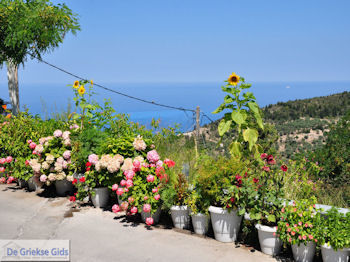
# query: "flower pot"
{"points": [[304, 253], [63, 187], [155, 216], [22, 183], [180, 216], [200, 223], [101, 197], [32, 184], [225, 224], [270, 244], [329, 254]]}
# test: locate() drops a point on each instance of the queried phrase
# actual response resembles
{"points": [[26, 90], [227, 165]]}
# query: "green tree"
{"points": [[30, 27]]}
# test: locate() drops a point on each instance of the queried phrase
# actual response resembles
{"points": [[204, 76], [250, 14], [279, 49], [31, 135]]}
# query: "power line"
{"points": [[111, 90], [204, 114]]}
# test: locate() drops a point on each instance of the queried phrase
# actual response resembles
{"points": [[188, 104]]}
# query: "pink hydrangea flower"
{"points": [[58, 133], [124, 205], [157, 197], [129, 174], [65, 135], [126, 189], [9, 159], [311, 237], [304, 237], [145, 198], [152, 165], [93, 159], [2, 180], [2, 161], [146, 208], [67, 154], [120, 191], [32, 145], [153, 156], [74, 126], [150, 178], [116, 208], [299, 223], [29, 141], [137, 165], [149, 221], [43, 178], [2, 169], [129, 183], [123, 182], [155, 190], [115, 187], [145, 165], [159, 163], [133, 210]]}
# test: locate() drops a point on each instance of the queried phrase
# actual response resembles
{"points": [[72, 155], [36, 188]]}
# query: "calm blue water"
{"points": [[206, 95]]}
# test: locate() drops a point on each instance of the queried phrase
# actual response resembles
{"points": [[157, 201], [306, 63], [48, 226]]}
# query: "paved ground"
{"points": [[98, 235]]}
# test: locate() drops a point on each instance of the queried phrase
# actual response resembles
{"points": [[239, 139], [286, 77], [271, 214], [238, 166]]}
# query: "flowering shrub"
{"points": [[300, 222], [6, 170], [269, 201], [53, 157], [142, 184]]}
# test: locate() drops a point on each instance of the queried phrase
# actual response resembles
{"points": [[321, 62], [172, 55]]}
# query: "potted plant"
{"points": [[300, 227], [199, 203], [174, 197], [335, 240], [269, 203], [101, 173]]}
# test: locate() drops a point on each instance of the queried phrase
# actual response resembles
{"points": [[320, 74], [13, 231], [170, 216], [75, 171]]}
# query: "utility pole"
{"points": [[196, 135]]}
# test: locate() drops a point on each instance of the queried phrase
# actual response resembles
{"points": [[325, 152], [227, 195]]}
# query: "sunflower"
{"points": [[233, 79], [76, 84], [81, 90]]}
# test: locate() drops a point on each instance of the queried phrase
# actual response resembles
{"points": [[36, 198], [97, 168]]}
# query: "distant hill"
{"points": [[301, 124]]}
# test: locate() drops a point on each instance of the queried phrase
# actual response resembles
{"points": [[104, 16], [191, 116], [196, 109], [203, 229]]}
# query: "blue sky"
{"points": [[202, 41]]}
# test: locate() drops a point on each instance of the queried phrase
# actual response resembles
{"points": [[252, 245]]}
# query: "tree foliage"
{"points": [[33, 26]]}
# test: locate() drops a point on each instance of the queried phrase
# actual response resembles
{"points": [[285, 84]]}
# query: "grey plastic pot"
{"points": [[63, 187], [225, 224], [304, 253], [101, 197], [331, 255], [200, 223], [32, 185], [270, 244], [155, 216], [180, 216]]}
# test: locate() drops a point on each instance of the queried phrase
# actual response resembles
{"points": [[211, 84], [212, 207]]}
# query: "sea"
{"points": [[47, 99]]}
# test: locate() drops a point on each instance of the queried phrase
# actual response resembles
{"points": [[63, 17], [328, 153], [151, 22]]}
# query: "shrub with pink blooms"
{"points": [[141, 187], [300, 222], [52, 158]]}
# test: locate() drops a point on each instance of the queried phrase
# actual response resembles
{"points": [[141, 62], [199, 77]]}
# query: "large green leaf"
{"points": [[254, 107], [235, 149], [224, 126], [250, 135], [271, 218], [239, 117]]}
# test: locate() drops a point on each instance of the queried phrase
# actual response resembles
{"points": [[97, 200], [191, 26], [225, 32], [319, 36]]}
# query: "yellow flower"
{"points": [[233, 79], [76, 84], [92, 82], [81, 90]]}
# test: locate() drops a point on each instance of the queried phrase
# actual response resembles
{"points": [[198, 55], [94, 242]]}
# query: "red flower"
{"points": [[88, 164], [232, 199], [255, 180], [284, 168], [72, 198], [27, 162], [263, 156], [266, 168], [82, 179], [270, 160], [169, 162], [164, 178], [74, 181], [159, 171], [88, 169]]}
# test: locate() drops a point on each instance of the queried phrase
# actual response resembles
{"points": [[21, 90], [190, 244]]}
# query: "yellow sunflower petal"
{"points": [[76, 84], [233, 79], [81, 90]]}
